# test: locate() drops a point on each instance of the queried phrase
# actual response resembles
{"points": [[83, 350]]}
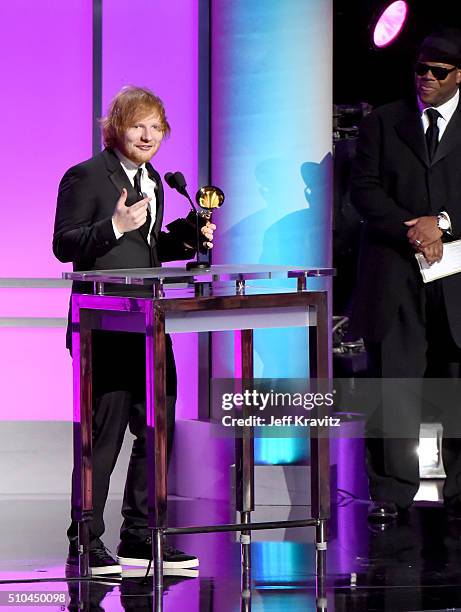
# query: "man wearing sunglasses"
{"points": [[406, 184]]}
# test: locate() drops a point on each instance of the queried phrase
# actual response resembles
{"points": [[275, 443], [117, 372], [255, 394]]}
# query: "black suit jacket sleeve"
{"points": [[383, 215], [76, 235], [172, 248]]}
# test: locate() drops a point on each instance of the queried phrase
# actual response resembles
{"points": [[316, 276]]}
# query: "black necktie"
{"points": [[137, 186], [432, 132]]}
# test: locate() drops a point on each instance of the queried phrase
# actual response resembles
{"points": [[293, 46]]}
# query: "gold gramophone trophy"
{"points": [[208, 198]]}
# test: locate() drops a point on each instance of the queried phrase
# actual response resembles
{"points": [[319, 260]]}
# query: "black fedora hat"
{"points": [[442, 46]]}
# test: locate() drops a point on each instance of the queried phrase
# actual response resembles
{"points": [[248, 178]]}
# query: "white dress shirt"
{"points": [[446, 111], [148, 186]]}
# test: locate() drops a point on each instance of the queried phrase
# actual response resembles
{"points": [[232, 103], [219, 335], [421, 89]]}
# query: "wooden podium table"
{"points": [[171, 300]]}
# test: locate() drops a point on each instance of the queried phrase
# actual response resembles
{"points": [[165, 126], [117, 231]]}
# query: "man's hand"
{"points": [[129, 218], [207, 230], [423, 232], [433, 252]]}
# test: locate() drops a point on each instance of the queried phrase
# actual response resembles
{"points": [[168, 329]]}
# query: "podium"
{"points": [[171, 300]]}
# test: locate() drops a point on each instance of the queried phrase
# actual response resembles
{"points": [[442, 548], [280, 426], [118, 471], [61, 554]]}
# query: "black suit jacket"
{"points": [[83, 231], [392, 182]]}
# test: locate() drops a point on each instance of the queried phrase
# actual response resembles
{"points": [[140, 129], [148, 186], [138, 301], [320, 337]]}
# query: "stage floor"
{"points": [[413, 565]]}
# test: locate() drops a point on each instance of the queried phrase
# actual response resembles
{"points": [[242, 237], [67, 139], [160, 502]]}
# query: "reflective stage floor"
{"points": [[413, 565]]}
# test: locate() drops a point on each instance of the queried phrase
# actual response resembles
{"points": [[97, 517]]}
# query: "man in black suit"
{"points": [[109, 215], [406, 184]]}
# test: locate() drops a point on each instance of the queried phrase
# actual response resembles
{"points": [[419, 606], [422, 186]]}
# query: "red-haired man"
{"points": [[109, 215]]}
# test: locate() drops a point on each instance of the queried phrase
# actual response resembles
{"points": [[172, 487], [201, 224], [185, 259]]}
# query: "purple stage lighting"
{"points": [[390, 23]]}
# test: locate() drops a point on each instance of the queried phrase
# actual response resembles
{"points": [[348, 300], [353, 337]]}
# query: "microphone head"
{"points": [[170, 180], [180, 181]]}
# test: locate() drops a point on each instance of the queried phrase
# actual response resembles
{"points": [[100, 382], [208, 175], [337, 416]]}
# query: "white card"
{"points": [[449, 264]]}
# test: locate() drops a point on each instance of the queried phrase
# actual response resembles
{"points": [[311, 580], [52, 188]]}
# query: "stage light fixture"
{"points": [[430, 451], [390, 23]]}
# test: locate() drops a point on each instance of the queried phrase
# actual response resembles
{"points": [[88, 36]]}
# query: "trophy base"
{"points": [[198, 265]]}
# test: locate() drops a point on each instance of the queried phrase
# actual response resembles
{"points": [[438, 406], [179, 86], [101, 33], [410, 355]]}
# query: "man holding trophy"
{"points": [[109, 215]]}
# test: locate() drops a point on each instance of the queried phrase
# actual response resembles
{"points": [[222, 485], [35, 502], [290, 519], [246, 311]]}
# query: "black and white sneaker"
{"points": [[101, 562], [174, 558], [139, 554]]}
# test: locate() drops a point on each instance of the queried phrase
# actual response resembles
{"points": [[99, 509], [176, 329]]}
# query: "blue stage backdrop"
{"points": [[271, 114]]}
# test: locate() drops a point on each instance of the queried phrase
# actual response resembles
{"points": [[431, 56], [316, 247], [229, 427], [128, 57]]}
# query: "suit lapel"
{"points": [[120, 180], [411, 131], [118, 177], [451, 138]]}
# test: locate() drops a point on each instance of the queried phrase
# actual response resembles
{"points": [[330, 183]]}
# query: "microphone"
{"points": [[169, 178], [177, 181], [180, 182]]}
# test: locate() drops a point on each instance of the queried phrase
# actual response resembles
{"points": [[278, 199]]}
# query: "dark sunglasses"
{"points": [[437, 72]]}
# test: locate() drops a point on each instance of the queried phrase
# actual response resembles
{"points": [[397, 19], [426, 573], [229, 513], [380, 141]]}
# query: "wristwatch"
{"points": [[443, 224]]}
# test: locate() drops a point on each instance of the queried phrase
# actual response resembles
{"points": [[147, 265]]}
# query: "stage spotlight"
{"points": [[390, 23]]}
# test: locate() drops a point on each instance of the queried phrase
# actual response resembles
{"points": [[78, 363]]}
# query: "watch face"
{"points": [[443, 223]]}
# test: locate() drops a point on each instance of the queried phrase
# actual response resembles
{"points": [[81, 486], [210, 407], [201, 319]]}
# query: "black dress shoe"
{"points": [[382, 512]]}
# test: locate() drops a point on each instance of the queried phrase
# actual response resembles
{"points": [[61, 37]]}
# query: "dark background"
{"points": [[362, 74]]}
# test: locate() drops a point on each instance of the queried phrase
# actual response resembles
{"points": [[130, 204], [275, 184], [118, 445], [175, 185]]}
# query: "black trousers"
{"points": [[418, 344], [119, 403]]}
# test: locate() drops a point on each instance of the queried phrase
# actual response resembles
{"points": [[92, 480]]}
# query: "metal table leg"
{"points": [[320, 453], [245, 592], [244, 447], [156, 436]]}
